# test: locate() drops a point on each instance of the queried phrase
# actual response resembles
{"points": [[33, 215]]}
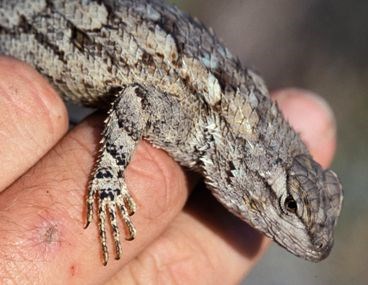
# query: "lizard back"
{"points": [[251, 159]]}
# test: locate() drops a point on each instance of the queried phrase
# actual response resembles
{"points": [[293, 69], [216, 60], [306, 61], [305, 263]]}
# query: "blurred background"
{"points": [[320, 45]]}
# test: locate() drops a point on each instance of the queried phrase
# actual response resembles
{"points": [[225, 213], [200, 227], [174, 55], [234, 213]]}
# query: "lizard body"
{"points": [[170, 81]]}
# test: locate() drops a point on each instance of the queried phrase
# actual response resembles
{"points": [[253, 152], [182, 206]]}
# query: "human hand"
{"points": [[44, 180]]}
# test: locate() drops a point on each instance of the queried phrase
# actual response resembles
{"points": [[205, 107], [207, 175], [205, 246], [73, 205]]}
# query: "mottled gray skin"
{"points": [[171, 82]]}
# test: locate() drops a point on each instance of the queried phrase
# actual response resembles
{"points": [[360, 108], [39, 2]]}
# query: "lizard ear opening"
{"points": [[333, 190]]}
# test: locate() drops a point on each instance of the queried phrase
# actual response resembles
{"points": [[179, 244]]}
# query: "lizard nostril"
{"points": [[320, 245]]}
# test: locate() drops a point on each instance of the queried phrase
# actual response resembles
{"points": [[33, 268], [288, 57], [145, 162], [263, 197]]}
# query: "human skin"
{"points": [[43, 182]]}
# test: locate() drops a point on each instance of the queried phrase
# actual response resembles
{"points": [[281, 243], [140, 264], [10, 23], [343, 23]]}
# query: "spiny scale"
{"points": [[170, 81]]}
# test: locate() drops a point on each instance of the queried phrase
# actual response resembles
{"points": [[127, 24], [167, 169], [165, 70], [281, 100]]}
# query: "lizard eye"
{"points": [[290, 204]]}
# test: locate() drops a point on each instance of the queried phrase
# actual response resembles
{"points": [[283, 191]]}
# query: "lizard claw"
{"points": [[113, 198]]}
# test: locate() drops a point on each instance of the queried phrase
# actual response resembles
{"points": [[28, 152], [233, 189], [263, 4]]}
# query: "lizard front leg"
{"points": [[124, 127]]}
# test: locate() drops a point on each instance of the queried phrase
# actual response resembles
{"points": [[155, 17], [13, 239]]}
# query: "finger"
{"points": [[207, 245], [32, 118], [43, 212], [310, 116]]}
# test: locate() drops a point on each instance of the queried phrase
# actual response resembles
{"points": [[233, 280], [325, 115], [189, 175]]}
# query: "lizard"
{"points": [[166, 78]]}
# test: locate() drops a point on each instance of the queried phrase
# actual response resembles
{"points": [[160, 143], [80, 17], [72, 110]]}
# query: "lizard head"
{"points": [[302, 209], [312, 200], [297, 205]]}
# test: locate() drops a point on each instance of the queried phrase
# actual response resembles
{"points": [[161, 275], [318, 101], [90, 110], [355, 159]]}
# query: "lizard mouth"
{"points": [[312, 250], [321, 251]]}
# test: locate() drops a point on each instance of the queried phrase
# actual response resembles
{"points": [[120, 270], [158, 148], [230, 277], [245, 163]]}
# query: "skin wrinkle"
{"points": [[43, 249], [178, 264], [201, 249], [33, 119], [156, 268], [169, 263], [23, 271], [13, 97], [23, 75], [38, 233], [73, 201], [54, 176], [75, 145], [173, 262], [143, 261], [49, 235], [80, 146], [9, 268], [205, 258], [28, 244], [163, 273]]}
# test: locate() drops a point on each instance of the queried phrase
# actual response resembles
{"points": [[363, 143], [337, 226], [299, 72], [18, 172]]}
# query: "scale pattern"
{"points": [[166, 78]]}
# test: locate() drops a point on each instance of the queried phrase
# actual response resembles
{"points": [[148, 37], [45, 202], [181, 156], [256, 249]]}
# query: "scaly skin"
{"points": [[170, 81]]}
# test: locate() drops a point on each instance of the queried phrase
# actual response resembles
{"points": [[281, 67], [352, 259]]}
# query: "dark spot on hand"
{"points": [[51, 234]]}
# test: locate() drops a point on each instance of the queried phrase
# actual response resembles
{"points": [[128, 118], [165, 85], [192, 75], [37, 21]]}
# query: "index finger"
{"points": [[32, 118]]}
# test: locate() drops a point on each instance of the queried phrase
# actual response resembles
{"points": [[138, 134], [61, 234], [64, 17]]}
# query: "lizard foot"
{"points": [[113, 198], [123, 129]]}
